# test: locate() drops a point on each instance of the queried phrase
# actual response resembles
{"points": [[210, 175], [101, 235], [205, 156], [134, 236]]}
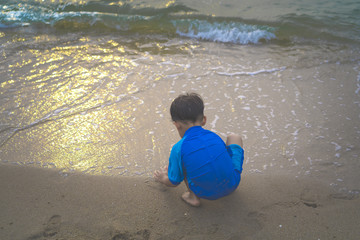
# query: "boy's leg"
{"points": [[190, 197], [235, 148], [234, 139]]}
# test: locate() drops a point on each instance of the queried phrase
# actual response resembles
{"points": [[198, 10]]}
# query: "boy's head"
{"points": [[187, 107]]}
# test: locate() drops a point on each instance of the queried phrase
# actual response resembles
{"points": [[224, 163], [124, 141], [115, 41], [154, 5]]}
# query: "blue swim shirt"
{"points": [[202, 157]]}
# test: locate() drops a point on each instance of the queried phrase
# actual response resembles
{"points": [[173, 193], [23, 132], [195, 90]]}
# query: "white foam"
{"points": [[258, 123], [296, 132], [252, 73], [221, 31], [261, 106], [255, 171], [337, 146], [213, 123]]}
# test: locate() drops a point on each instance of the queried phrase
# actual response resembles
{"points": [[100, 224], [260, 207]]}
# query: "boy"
{"points": [[210, 168]]}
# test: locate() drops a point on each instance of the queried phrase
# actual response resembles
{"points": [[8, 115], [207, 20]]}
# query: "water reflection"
{"points": [[72, 106], [86, 141]]}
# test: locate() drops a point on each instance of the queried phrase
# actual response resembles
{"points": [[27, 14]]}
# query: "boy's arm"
{"points": [[161, 176]]}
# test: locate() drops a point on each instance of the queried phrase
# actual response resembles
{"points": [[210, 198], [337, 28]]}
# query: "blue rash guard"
{"points": [[211, 168]]}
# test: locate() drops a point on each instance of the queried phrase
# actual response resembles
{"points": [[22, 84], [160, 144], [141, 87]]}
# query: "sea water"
{"points": [[86, 85]]}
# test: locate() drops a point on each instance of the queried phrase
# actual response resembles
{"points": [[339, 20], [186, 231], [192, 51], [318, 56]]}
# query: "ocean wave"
{"points": [[127, 20], [304, 27], [176, 20], [233, 32]]}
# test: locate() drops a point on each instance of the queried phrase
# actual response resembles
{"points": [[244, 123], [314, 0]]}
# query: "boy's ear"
{"points": [[177, 125], [203, 121]]}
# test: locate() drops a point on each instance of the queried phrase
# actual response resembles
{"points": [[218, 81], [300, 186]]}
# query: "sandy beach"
{"points": [[85, 92], [43, 204]]}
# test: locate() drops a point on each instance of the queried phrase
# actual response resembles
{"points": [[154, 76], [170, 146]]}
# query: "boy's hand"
{"points": [[161, 176]]}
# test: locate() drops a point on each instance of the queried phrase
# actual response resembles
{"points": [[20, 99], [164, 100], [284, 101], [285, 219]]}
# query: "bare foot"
{"points": [[191, 199]]}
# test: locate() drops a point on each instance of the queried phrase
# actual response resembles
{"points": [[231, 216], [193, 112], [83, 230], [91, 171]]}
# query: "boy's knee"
{"points": [[234, 139]]}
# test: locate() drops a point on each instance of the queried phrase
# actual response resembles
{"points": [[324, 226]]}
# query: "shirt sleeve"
{"points": [[175, 171]]}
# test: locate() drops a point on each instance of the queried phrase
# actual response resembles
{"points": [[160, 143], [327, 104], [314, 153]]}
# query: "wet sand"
{"points": [[43, 204]]}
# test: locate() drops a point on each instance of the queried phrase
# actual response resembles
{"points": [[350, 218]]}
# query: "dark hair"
{"points": [[187, 107]]}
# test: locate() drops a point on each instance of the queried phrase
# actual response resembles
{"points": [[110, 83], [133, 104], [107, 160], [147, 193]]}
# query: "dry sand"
{"points": [[42, 204]]}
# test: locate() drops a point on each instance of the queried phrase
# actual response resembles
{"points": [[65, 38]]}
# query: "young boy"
{"points": [[210, 168]]}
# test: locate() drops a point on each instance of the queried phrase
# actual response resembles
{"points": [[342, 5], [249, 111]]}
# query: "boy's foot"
{"points": [[191, 199]]}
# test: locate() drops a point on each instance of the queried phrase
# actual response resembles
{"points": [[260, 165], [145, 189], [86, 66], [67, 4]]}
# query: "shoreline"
{"points": [[41, 204]]}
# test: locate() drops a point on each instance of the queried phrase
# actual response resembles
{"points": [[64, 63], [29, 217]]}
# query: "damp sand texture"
{"points": [[85, 90], [42, 204]]}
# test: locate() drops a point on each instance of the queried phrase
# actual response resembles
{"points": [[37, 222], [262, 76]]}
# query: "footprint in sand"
{"points": [[51, 229], [140, 235], [308, 198], [53, 226], [350, 195], [155, 185]]}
